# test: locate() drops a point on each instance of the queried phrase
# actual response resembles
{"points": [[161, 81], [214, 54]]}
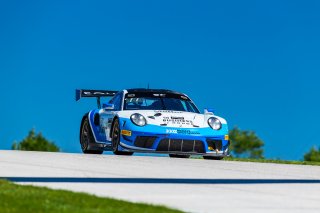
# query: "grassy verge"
{"points": [[20, 198], [312, 163]]}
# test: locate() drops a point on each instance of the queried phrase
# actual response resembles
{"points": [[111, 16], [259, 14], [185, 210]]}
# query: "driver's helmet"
{"points": [[139, 101]]}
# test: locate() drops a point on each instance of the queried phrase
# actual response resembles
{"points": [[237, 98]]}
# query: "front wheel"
{"points": [[116, 139], [212, 158]]}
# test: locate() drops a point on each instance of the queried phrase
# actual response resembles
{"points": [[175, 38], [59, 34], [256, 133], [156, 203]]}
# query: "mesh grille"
{"points": [[180, 145], [144, 141]]}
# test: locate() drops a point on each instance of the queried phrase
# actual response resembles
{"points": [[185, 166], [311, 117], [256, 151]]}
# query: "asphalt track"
{"points": [[191, 185]]}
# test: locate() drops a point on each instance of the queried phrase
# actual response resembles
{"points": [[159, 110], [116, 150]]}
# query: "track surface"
{"points": [[187, 184]]}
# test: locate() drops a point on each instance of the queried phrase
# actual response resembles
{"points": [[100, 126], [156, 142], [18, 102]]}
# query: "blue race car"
{"points": [[152, 121]]}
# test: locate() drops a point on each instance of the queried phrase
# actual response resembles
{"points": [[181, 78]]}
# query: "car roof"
{"points": [[140, 90]]}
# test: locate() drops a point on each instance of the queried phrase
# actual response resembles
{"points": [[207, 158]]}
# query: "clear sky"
{"points": [[256, 62]]}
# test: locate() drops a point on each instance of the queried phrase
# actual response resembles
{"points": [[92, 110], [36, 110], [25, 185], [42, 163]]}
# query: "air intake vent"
{"points": [[180, 145], [144, 141], [215, 144]]}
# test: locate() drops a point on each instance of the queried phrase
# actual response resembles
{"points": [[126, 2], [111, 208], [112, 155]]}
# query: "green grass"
{"points": [[312, 163], [23, 198]]}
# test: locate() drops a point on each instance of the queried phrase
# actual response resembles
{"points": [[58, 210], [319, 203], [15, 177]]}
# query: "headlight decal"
{"points": [[138, 119], [214, 123]]}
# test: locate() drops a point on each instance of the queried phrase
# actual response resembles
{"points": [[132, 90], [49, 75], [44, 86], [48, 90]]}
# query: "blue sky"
{"points": [[256, 62]]}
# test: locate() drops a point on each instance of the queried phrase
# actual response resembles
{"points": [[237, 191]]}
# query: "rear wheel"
{"points": [[212, 158], [86, 138], [116, 139], [179, 156]]}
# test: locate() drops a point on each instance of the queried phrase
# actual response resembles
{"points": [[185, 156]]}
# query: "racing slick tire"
{"points": [[212, 158], [86, 138], [179, 156], [116, 139]]}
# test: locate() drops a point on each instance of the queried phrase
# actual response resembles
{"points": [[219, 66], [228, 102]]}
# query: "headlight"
{"points": [[214, 123], [138, 119]]}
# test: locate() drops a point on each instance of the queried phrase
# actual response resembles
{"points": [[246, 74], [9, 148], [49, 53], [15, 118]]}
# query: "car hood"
{"points": [[169, 118]]}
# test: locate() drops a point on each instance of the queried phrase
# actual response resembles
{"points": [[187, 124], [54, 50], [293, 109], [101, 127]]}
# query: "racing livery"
{"points": [[153, 121]]}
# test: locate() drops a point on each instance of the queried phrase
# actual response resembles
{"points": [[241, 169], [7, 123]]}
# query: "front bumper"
{"points": [[137, 141], [163, 139]]}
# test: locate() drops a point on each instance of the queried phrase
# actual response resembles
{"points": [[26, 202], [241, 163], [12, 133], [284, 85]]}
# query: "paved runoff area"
{"points": [[191, 185]]}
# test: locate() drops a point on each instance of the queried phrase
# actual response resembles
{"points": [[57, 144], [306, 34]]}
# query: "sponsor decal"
{"points": [[172, 131], [167, 111], [126, 132], [188, 132], [157, 95], [182, 131], [89, 93], [184, 97], [177, 120]]}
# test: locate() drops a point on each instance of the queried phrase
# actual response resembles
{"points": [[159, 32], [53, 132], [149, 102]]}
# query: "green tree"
{"points": [[245, 144], [35, 142], [312, 155]]}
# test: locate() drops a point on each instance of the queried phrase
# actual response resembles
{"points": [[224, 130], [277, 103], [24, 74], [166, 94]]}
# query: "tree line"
{"points": [[243, 144], [35, 142]]}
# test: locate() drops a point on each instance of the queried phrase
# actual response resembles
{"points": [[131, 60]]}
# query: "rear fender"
{"points": [[98, 132], [82, 120]]}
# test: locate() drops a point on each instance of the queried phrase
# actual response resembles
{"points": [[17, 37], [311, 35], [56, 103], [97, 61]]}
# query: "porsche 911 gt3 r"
{"points": [[152, 121]]}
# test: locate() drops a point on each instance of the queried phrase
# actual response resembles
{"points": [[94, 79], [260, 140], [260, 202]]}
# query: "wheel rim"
{"points": [[115, 136], [84, 136]]}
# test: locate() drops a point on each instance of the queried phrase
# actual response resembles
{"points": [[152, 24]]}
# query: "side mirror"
{"points": [[108, 106], [209, 111]]}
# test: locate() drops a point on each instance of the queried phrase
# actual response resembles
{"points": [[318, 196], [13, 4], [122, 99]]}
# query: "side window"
{"points": [[116, 101], [185, 106], [112, 100]]}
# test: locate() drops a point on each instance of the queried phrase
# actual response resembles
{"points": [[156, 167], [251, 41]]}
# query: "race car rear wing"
{"points": [[85, 93]]}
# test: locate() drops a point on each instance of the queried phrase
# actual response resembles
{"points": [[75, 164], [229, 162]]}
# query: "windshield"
{"points": [[159, 103]]}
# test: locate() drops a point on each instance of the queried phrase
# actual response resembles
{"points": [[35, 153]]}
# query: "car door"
{"points": [[106, 117]]}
